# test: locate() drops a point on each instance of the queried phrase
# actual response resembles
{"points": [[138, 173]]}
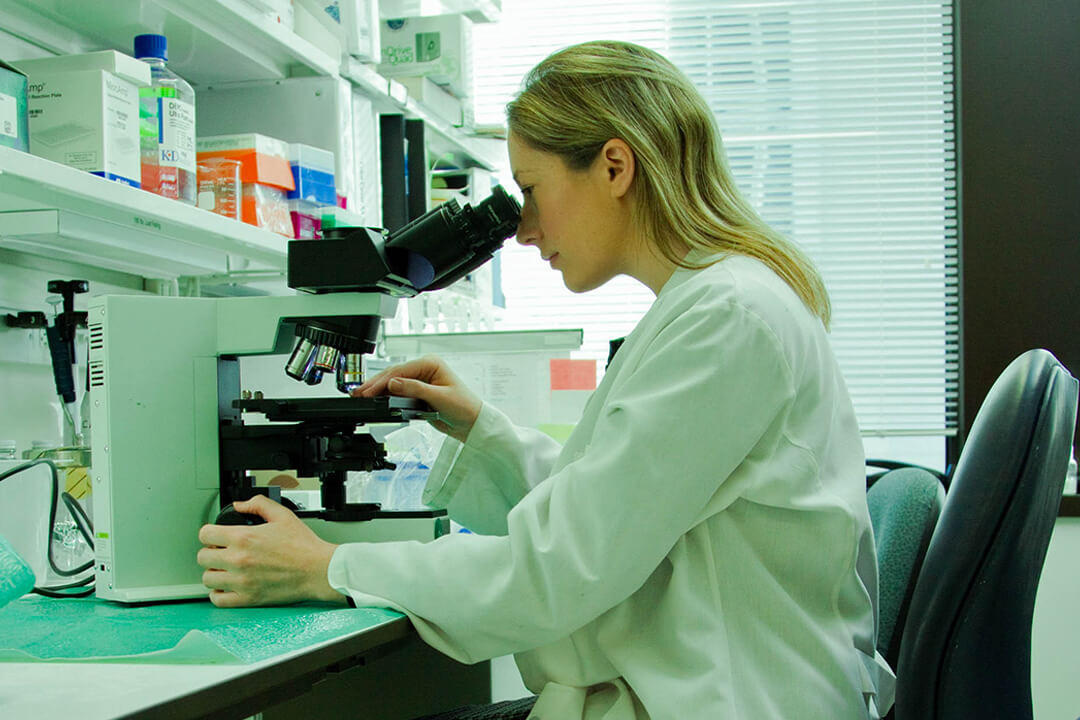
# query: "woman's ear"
{"points": [[619, 166]]}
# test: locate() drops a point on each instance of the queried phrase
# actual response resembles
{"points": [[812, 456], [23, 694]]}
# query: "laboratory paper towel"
{"points": [[16, 577]]}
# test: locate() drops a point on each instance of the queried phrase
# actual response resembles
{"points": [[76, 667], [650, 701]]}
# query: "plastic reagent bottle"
{"points": [[166, 125]]}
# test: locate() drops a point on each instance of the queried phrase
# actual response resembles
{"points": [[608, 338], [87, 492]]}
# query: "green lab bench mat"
{"points": [[39, 629]]}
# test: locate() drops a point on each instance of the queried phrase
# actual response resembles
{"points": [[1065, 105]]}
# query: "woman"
{"points": [[701, 546]]}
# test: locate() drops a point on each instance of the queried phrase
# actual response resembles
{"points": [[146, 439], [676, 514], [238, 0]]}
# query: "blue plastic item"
{"points": [[313, 185], [151, 45]]}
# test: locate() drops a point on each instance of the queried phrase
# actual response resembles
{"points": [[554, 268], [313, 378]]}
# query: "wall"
{"points": [[1019, 144], [29, 408], [1055, 653]]}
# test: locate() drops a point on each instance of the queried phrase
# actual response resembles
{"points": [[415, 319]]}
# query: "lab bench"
{"points": [[362, 663]]}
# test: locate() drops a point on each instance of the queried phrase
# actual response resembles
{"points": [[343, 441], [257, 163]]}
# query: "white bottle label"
{"points": [[9, 118], [176, 142]]}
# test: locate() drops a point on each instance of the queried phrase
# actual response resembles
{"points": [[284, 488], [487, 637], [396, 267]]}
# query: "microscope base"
{"points": [[424, 525]]}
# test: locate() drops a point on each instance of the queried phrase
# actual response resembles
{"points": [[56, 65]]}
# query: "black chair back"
{"points": [[966, 647]]}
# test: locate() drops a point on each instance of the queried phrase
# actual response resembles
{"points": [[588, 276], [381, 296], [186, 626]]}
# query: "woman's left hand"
{"points": [[276, 563]]}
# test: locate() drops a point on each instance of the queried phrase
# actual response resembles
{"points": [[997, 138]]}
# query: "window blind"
{"points": [[837, 118]]}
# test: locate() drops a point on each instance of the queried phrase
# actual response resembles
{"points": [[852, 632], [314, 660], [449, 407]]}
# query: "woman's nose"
{"points": [[522, 235], [527, 233]]}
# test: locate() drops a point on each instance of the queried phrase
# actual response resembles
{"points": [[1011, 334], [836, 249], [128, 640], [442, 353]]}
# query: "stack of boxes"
{"points": [[265, 176], [435, 47], [283, 187], [313, 177]]}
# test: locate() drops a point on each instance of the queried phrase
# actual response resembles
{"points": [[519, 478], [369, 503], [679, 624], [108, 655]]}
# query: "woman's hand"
{"points": [[276, 563], [429, 379]]}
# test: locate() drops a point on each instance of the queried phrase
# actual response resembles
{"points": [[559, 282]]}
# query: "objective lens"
{"points": [[327, 358], [300, 360], [350, 374]]}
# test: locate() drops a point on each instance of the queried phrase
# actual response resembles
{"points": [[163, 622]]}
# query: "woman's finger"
{"points": [[264, 507], [226, 599], [211, 558], [215, 579]]}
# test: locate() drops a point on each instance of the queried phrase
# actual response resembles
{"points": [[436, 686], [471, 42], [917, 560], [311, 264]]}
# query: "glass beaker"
{"points": [[219, 186]]}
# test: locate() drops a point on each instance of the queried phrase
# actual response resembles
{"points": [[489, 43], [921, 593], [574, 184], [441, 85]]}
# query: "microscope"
{"points": [[170, 444]]}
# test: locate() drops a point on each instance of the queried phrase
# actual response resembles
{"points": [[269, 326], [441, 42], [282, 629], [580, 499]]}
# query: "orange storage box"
{"points": [[265, 176]]}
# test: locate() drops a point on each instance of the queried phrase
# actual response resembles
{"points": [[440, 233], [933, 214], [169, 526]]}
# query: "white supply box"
{"points": [[359, 21], [436, 46], [84, 112], [348, 25]]}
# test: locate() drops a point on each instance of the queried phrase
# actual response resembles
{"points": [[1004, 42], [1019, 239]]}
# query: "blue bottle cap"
{"points": [[151, 46]]}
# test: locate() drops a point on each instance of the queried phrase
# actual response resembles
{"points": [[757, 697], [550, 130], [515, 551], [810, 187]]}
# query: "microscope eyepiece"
{"points": [[499, 214], [450, 241]]}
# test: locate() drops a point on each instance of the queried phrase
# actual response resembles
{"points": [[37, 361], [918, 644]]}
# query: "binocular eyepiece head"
{"points": [[433, 251]]}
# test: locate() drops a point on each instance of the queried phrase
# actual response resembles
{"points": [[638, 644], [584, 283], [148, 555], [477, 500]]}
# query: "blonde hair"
{"points": [[578, 98]]}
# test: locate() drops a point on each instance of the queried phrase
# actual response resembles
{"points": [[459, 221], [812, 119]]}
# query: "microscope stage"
{"points": [[384, 409]]}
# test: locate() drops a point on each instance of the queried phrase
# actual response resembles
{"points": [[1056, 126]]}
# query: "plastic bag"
{"points": [[413, 450]]}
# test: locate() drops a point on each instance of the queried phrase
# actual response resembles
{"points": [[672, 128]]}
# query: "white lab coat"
{"points": [[699, 548]]}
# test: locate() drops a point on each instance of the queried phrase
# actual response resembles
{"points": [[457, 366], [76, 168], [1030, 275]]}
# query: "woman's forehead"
{"points": [[526, 159]]}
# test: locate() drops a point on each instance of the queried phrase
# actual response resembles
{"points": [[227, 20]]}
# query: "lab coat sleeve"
{"points": [[480, 481], [665, 454]]}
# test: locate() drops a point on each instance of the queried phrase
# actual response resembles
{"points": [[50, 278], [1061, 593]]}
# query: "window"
{"points": [[838, 123]]}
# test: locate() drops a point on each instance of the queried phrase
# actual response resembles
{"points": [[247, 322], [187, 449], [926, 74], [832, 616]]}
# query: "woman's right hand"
{"points": [[429, 379]]}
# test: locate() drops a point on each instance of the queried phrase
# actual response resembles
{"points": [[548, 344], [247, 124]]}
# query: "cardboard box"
{"points": [[84, 112], [14, 120], [117, 63], [360, 20], [313, 22], [351, 25], [435, 46]]}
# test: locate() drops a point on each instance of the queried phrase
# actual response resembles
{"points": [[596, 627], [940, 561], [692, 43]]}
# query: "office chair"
{"points": [[966, 646], [881, 467], [904, 508]]}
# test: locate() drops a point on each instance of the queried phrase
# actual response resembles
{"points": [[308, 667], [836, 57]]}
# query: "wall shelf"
{"points": [[445, 140], [209, 40], [480, 11], [55, 211], [221, 41], [50, 210]]}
